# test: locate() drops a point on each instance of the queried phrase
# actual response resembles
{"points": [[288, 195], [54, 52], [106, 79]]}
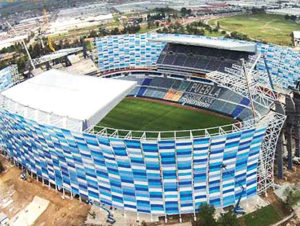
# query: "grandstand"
{"points": [[198, 59], [201, 94], [148, 172]]}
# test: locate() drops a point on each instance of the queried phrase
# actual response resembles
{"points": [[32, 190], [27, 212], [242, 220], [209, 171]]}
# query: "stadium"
{"points": [[106, 141]]}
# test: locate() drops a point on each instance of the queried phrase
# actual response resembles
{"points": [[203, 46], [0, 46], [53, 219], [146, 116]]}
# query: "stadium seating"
{"points": [[237, 111], [162, 82], [173, 95], [155, 93], [201, 94], [113, 53], [201, 58]]}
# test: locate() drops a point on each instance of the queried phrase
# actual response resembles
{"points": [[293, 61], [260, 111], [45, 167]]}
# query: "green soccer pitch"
{"points": [[263, 27], [139, 114]]}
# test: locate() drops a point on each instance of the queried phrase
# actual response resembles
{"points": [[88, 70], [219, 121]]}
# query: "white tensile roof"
{"points": [[84, 98], [210, 43]]}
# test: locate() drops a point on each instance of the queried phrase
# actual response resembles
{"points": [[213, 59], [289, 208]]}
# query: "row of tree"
{"points": [[127, 29], [206, 217], [195, 28], [291, 17]]}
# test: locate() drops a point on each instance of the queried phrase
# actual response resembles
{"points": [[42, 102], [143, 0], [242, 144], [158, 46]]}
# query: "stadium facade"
{"points": [[147, 171]]}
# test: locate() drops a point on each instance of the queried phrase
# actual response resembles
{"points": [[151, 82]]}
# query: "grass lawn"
{"points": [[145, 29], [265, 216], [213, 34], [264, 27], [137, 114]]}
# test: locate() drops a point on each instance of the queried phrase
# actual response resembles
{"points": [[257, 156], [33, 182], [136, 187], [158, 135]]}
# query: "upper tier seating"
{"points": [[199, 58]]}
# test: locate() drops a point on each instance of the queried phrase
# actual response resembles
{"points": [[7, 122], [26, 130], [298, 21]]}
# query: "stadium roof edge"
{"points": [[85, 99], [209, 43]]}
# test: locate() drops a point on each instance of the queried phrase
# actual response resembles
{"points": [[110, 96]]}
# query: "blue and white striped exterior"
{"points": [[158, 177], [124, 51], [148, 176], [6, 79]]}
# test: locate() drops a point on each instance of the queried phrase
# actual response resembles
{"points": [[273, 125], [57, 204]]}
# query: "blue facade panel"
{"points": [[157, 177]]}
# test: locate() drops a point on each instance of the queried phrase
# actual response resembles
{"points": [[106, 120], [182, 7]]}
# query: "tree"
{"points": [[1, 167], [293, 17], [115, 31], [183, 11], [93, 34], [205, 216], [228, 219], [292, 196]]}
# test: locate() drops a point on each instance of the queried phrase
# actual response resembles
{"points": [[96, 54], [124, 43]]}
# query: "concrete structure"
{"points": [[31, 213]]}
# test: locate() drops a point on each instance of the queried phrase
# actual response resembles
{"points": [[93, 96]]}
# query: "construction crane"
{"points": [[46, 22]]}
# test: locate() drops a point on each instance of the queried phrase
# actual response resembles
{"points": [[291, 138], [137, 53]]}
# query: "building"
{"points": [[296, 38], [63, 25], [11, 41]]}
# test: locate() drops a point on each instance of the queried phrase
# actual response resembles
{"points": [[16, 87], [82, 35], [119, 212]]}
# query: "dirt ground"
{"points": [[290, 176], [16, 194]]}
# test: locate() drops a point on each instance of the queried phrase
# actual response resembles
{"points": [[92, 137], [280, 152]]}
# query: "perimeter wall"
{"points": [[149, 176]]}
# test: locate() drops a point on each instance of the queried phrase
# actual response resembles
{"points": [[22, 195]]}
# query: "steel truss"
{"points": [[234, 79], [265, 169], [55, 55], [262, 94]]}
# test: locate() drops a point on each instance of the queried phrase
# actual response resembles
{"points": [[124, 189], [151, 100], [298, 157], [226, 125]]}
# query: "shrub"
{"points": [[205, 216], [1, 167], [292, 196], [228, 219]]}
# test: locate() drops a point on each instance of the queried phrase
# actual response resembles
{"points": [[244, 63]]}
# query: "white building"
{"points": [[296, 38], [11, 41], [62, 25]]}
